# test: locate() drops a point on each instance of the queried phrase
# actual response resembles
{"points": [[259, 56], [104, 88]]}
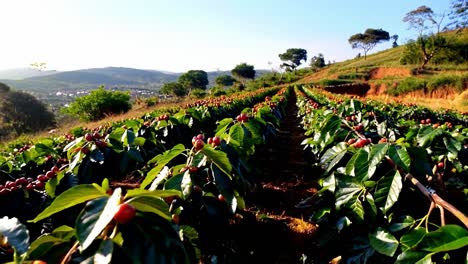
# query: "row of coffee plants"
{"points": [[382, 177], [157, 189]]}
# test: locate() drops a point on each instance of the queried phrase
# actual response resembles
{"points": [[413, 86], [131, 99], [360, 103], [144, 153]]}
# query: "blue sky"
{"points": [[182, 35]]}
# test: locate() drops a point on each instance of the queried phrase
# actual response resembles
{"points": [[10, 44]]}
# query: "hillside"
{"points": [[23, 73], [119, 77], [92, 78], [441, 85]]}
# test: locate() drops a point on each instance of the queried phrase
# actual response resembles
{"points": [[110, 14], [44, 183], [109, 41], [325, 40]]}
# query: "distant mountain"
{"points": [[93, 78], [112, 77], [23, 73]]}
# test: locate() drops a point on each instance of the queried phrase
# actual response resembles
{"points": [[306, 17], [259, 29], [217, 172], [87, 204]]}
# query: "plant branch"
{"points": [[70, 253]]}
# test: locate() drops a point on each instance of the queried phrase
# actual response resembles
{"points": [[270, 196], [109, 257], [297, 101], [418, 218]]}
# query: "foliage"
{"points": [[459, 82], [194, 79], [317, 62], [4, 88], [174, 88], [354, 76], [459, 14], [224, 80], [198, 93], [407, 85], [395, 39], [174, 184], [362, 184], [243, 71], [99, 103], [368, 40], [152, 101], [292, 58], [429, 40], [330, 82], [22, 113]]}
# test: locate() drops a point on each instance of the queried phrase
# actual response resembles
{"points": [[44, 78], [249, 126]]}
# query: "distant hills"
{"points": [[41, 82], [23, 73]]}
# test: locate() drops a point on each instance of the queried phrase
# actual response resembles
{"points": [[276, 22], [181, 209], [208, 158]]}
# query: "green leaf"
{"points": [[96, 215], [427, 134], [357, 208], [128, 137], [104, 253], [400, 156], [401, 223], [334, 155], [222, 125], [219, 158], [412, 238], [452, 144], [163, 175], [371, 202], [236, 135], [76, 160], [16, 233], [414, 257], [383, 242], [134, 154], [377, 153], [155, 193], [71, 197], [446, 238], [255, 129], [140, 141], [161, 160], [152, 205], [97, 156], [43, 245], [388, 190], [346, 191], [358, 165], [174, 183]]}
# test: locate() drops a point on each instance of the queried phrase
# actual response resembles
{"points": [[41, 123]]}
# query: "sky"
{"points": [[182, 35]]}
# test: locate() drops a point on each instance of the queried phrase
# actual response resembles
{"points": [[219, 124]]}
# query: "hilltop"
{"points": [[441, 85]]}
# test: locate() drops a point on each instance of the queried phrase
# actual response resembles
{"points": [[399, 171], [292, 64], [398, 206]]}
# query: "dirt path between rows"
{"points": [[279, 230]]}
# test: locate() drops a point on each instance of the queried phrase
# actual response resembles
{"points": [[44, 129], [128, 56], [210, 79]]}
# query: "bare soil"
{"points": [[279, 230], [384, 72]]}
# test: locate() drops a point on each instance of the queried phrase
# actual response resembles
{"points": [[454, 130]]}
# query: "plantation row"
{"points": [[165, 187], [182, 174], [376, 163]]}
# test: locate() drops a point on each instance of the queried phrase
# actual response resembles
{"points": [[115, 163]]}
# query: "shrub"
{"points": [[4, 88], [99, 103], [218, 91], [354, 76], [23, 113], [457, 82], [407, 85], [327, 82], [198, 93], [151, 101]]}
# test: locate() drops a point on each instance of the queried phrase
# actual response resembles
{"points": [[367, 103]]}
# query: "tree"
{"points": [[459, 14], [429, 40], [317, 62], [243, 71], [224, 80], [194, 79], [292, 58], [99, 103], [23, 113], [395, 39], [174, 88], [368, 40], [4, 88]]}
